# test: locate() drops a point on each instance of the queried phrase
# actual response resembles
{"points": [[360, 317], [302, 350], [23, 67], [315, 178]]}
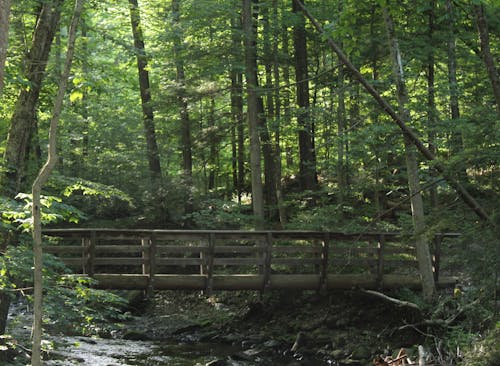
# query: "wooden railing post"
{"points": [[323, 282], [203, 258], [85, 253], [145, 246], [380, 259], [91, 253], [152, 265], [267, 260], [438, 239], [210, 264]]}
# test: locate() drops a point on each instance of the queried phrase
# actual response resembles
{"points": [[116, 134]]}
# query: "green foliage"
{"points": [[485, 351], [221, 214], [17, 213], [96, 199], [72, 306]]}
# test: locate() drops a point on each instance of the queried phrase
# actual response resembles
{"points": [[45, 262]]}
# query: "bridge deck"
{"points": [[242, 260]]}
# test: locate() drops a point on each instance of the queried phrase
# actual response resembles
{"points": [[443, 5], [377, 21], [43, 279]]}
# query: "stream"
{"points": [[84, 351], [119, 352]]}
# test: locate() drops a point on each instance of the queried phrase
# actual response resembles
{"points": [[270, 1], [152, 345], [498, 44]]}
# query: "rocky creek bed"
{"points": [[245, 328]]}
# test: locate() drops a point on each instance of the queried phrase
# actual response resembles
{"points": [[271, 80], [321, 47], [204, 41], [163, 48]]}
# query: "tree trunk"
{"points": [[277, 124], [484, 39], [270, 187], [459, 188], [237, 107], [147, 107], [23, 118], [417, 207], [341, 132], [252, 112], [212, 143], [456, 139], [4, 37], [237, 112], [307, 167], [431, 99], [187, 160], [43, 175]]}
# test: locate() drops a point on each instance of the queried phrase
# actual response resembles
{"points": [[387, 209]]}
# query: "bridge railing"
{"points": [[230, 259]]}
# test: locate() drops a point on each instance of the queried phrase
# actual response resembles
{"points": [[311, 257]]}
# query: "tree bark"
{"points": [[489, 62], [307, 164], [252, 112], [144, 85], [417, 206], [187, 160], [23, 118], [43, 175], [431, 97], [4, 37], [270, 187], [412, 136], [237, 108]]}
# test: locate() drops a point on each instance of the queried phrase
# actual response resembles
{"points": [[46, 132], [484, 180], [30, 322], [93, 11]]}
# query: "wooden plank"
{"points": [[119, 261], [119, 249], [172, 249], [239, 261], [179, 261], [73, 261], [254, 282], [297, 249], [63, 249], [233, 249], [296, 261]]}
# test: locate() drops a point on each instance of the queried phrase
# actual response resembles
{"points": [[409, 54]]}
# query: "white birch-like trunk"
{"points": [[417, 205], [43, 175]]}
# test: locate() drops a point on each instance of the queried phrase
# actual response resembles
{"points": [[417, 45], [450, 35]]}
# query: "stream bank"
{"points": [[283, 328]]}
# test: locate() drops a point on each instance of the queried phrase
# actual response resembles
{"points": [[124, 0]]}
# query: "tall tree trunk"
{"points": [[187, 158], [237, 112], [277, 124], [147, 107], [307, 168], [23, 118], [341, 134], [417, 207], [4, 37], [237, 107], [270, 194], [431, 96], [484, 39], [212, 143], [43, 175], [252, 111], [456, 139]]}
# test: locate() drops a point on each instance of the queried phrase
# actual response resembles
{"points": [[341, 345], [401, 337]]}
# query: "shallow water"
{"points": [[118, 352]]}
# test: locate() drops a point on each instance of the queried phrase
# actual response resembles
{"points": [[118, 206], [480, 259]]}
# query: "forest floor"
{"points": [[306, 328]]}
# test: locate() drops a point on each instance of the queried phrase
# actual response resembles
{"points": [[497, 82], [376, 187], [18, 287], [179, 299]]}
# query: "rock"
{"points": [[217, 363], [337, 353], [135, 335], [272, 344]]}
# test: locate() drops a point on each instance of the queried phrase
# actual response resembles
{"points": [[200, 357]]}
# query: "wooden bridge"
{"points": [[242, 260]]}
